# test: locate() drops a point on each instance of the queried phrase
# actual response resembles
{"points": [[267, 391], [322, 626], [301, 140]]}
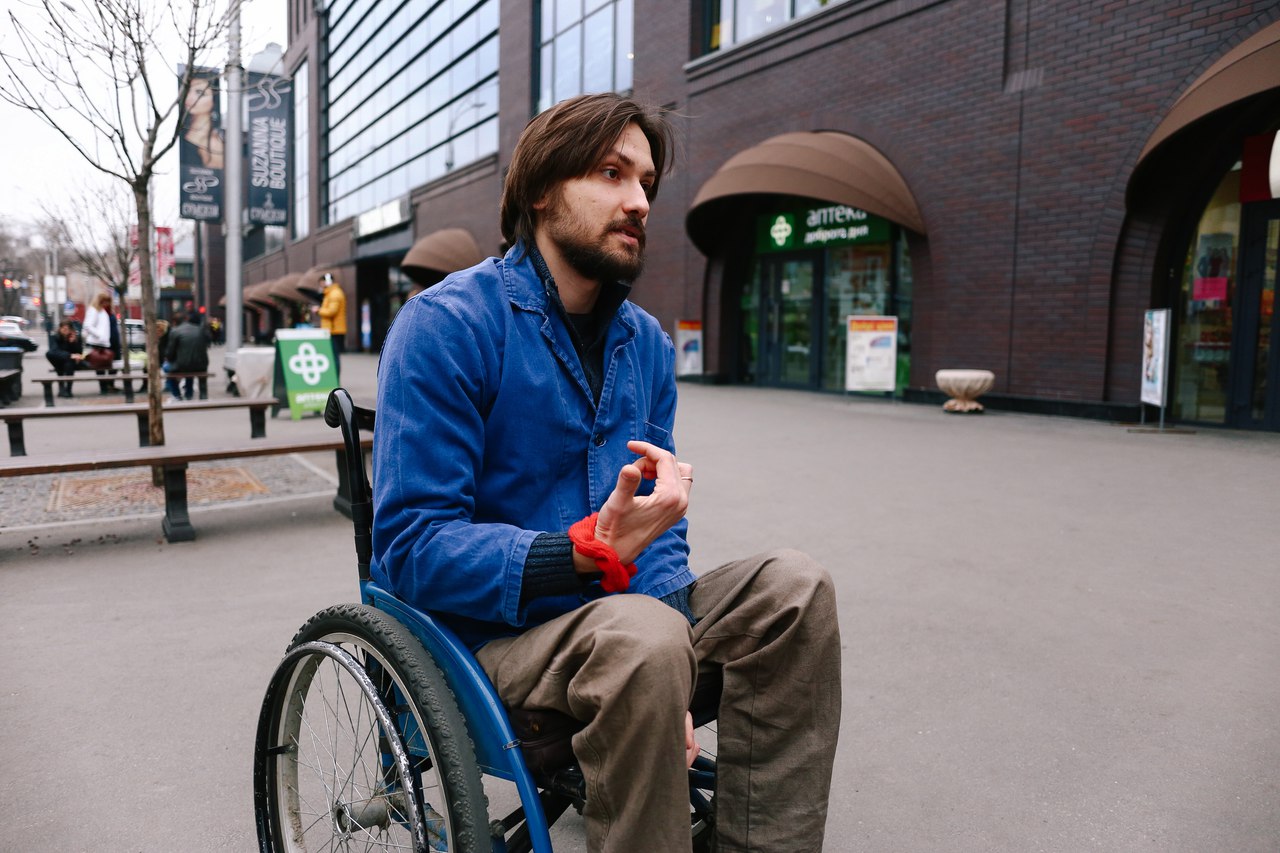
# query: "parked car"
{"points": [[11, 335]]}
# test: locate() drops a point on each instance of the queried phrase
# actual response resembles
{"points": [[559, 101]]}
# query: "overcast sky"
{"points": [[36, 163]]}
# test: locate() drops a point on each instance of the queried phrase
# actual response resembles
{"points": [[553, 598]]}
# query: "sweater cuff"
{"points": [[679, 600], [548, 568]]}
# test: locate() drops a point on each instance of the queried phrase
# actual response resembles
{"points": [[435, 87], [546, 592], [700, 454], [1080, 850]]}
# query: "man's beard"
{"points": [[590, 257]]}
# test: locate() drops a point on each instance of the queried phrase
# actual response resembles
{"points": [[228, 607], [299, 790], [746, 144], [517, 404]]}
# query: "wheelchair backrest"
{"points": [[340, 411]]}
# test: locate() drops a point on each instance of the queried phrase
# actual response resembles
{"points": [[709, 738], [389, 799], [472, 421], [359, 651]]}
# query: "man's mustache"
{"points": [[631, 225]]}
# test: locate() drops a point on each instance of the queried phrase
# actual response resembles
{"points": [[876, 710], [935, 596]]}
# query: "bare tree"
{"points": [[94, 227], [97, 72]]}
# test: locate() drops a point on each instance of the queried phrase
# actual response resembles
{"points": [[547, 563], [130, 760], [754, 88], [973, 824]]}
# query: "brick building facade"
{"points": [[1019, 128]]}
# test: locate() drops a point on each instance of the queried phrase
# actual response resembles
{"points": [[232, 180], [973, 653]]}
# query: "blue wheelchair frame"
{"points": [[497, 748]]}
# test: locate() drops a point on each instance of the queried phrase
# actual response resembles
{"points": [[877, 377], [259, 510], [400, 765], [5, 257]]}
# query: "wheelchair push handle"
{"points": [[340, 411]]}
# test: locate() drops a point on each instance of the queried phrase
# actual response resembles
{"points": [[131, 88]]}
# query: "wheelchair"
{"points": [[378, 727]]}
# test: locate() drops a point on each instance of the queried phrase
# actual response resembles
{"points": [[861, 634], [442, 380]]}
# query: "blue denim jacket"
{"points": [[487, 435]]}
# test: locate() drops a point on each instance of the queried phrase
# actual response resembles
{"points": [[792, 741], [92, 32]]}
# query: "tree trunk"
{"points": [[155, 381]]}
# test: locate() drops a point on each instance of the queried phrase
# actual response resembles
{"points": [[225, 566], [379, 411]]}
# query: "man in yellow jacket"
{"points": [[333, 317]]}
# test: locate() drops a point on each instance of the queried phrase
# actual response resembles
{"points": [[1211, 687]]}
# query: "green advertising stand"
{"points": [[305, 370]]}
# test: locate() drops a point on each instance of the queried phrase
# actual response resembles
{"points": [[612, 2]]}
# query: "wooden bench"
{"points": [[177, 522], [126, 380], [16, 418]]}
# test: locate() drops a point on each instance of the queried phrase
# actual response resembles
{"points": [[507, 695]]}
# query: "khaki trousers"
{"points": [[625, 666]]}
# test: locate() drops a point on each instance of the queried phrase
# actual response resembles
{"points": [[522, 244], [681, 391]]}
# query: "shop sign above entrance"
{"points": [[817, 228]]}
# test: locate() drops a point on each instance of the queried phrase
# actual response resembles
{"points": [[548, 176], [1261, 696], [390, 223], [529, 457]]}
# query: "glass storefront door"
{"points": [[1255, 394], [789, 316]]}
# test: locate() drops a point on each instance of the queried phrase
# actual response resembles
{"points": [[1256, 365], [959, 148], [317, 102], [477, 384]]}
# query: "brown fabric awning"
{"points": [[824, 165], [285, 288], [1250, 68], [441, 252], [257, 295]]}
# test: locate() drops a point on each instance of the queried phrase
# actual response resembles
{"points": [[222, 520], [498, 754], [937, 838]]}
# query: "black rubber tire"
{"points": [[386, 647]]}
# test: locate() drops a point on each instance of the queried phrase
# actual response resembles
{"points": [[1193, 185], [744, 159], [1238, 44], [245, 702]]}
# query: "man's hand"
{"points": [[691, 747], [628, 523]]}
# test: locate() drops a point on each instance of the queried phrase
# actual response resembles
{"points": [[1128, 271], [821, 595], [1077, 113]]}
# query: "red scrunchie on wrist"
{"points": [[617, 575]]}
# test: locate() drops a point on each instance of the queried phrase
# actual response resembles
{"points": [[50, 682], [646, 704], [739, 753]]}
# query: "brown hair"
{"points": [[566, 142], [101, 300]]}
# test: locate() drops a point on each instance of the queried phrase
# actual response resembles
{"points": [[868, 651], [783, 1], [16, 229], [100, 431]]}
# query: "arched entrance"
{"points": [[801, 232], [1209, 180]]}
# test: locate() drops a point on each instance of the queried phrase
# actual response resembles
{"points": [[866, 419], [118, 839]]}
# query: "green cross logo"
{"points": [[781, 230]]}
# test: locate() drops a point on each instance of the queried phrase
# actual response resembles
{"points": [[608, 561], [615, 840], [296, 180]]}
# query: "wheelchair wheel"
{"points": [[361, 745]]}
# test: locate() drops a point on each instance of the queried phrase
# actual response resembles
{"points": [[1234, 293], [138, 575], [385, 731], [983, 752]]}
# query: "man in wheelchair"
{"points": [[528, 494]]}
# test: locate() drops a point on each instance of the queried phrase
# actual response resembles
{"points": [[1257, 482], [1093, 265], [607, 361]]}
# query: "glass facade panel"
{"points": [[585, 47], [300, 216], [1204, 321], [597, 52], [409, 84], [568, 63]]}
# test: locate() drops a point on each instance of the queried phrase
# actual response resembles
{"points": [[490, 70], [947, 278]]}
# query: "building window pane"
{"points": [[622, 80], [597, 49], [585, 47], [759, 16], [569, 63], [567, 12]]}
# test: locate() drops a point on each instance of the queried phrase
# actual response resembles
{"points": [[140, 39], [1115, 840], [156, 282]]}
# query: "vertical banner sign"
{"points": [[688, 348], [871, 354], [305, 372], [200, 149], [268, 108], [164, 258], [1155, 356]]}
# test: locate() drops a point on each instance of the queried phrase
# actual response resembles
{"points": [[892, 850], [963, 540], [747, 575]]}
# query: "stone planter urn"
{"points": [[964, 387]]}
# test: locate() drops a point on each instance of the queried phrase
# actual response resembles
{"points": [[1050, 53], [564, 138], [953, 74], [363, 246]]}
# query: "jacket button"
{"points": [[598, 439]]}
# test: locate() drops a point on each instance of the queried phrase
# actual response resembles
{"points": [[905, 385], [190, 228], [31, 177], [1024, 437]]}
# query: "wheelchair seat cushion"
{"points": [[546, 738]]}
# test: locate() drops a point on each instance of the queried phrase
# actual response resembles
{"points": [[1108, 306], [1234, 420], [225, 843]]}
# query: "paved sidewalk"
{"points": [[1058, 635]]}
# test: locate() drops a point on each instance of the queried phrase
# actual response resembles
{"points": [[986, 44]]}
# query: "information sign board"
{"points": [[305, 370], [1155, 356], [871, 353]]}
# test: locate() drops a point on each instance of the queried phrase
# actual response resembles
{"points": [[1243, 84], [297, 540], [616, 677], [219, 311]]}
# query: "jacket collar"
{"points": [[530, 285]]}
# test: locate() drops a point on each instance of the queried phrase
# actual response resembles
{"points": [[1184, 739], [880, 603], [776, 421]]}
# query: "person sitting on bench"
{"points": [[66, 354], [186, 352], [527, 493]]}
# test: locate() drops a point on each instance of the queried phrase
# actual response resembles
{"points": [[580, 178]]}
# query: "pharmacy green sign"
{"points": [[817, 228], [305, 369]]}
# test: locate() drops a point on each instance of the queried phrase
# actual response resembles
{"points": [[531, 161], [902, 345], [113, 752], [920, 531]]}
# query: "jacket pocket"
{"points": [[655, 434]]}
